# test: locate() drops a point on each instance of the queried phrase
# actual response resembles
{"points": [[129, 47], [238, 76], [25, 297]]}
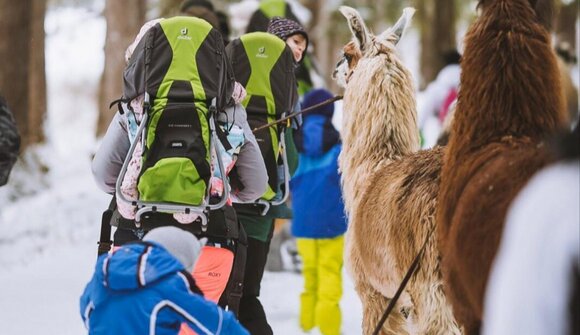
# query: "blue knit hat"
{"points": [[315, 97], [323, 132]]}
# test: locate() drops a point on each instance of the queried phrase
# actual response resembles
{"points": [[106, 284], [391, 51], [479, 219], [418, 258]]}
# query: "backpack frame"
{"points": [[208, 89]]}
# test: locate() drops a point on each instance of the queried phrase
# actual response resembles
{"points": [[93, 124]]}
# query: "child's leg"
{"points": [[330, 258], [211, 274], [308, 253]]}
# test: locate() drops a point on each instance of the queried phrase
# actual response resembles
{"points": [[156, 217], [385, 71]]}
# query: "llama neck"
{"points": [[510, 84], [379, 121]]}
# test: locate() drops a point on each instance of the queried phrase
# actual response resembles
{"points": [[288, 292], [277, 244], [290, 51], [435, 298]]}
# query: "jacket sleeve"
{"points": [[250, 166], [9, 142], [86, 303], [111, 154], [204, 316]]}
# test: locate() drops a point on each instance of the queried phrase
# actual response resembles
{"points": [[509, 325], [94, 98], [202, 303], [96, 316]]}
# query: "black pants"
{"points": [[252, 315]]}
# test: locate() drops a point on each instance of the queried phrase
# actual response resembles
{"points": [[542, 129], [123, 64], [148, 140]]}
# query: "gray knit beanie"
{"points": [[182, 245]]}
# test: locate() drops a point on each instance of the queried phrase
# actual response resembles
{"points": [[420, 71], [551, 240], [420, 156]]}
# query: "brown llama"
{"points": [[510, 99], [389, 187]]}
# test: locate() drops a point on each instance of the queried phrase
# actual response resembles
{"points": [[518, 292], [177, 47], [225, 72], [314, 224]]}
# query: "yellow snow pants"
{"points": [[322, 261]]}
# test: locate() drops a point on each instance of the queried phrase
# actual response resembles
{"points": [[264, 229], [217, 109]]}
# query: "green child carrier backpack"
{"points": [[264, 65], [181, 68]]}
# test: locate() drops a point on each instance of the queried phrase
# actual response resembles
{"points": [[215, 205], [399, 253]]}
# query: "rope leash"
{"points": [[406, 279], [305, 110]]}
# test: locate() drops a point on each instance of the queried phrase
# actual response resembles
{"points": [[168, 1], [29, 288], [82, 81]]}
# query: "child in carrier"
{"points": [[216, 260]]}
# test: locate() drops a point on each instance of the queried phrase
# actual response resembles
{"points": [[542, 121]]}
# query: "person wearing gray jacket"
{"points": [[250, 179], [250, 167]]}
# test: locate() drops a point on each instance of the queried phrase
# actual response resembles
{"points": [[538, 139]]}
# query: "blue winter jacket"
{"points": [[142, 289], [316, 195]]}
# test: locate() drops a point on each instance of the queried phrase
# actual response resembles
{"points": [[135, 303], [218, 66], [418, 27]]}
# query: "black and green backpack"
{"points": [[259, 21], [181, 68], [264, 65]]}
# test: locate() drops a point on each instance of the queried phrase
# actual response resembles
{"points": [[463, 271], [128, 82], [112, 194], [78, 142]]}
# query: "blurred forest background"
{"points": [[439, 24]]}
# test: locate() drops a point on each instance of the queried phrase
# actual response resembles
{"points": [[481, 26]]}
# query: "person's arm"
{"points": [[111, 154], [204, 316], [86, 303], [250, 166]]}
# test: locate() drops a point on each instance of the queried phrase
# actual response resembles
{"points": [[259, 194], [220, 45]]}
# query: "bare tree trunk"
{"points": [[124, 19], [318, 35], [37, 81], [566, 24], [315, 7], [437, 21], [331, 33], [22, 78], [169, 8]]}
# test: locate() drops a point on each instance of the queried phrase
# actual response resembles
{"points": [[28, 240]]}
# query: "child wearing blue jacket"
{"points": [[319, 221], [147, 288]]}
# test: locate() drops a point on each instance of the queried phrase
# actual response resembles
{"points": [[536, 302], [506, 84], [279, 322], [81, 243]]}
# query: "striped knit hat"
{"points": [[284, 28]]}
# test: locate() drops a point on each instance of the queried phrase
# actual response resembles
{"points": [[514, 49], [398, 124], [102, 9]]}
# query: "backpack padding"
{"points": [[184, 68], [164, 55], [264, 64]]}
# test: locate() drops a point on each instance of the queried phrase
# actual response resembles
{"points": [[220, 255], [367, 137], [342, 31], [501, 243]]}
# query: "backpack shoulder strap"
{"points": [[105, 241], [235, 287]]}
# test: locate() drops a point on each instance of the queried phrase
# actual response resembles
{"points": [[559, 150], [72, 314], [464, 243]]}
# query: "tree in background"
{"points": [[565, 26], [437, 28], [436, 24], [169, 8], [22, 73], [124, 19]]}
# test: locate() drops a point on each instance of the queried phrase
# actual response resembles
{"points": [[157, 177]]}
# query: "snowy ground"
{"points": [[48, 235]]}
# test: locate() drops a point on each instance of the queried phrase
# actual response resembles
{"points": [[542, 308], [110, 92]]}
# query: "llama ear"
{"points": [[399, 28], [357, 26]]}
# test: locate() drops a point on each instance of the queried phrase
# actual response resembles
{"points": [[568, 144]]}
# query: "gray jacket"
{"points": [[250, 166]]}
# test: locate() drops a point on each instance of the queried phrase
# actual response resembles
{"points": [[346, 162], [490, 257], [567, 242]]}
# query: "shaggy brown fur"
{"points": [[390, 189], [509, 100]]}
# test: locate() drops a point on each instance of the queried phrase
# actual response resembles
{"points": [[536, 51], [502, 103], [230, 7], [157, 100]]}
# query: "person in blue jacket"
{"points": [[319, 221], [147, 288]]}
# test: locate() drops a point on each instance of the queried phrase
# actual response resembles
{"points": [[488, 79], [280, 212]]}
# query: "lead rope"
{"points": [[305, 110], [406, 279]]}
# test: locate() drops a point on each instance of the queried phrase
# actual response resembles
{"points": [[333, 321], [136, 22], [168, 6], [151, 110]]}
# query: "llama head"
{"points": [[365, 44]]}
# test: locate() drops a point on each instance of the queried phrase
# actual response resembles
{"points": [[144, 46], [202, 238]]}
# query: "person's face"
{"points": [[297, 44]]}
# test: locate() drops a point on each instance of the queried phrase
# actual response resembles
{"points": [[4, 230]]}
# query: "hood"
{"points": [[135, 265], [317, 135]]}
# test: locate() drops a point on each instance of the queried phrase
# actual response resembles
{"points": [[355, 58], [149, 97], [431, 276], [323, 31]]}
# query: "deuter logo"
{"points": [[261, 53], [183, 35]]}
